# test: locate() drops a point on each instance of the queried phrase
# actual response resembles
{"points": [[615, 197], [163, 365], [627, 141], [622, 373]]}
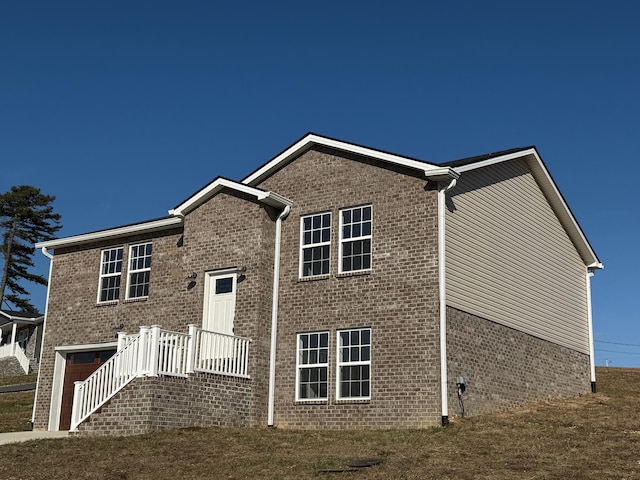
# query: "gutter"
{"points": [[44, 327], [274, 316]]}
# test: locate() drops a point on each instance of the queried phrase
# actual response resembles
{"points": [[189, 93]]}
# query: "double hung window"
{"points": [[355, 239], [312, 366], [315, 244], [139, 270], [110, 273], [354, 364]]}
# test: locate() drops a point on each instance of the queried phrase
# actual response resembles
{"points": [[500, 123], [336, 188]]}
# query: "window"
{"points": [[354, 364], [224, 285], [355, 239], [139, 270], [316, 244], [110, 270], [313, 363]]}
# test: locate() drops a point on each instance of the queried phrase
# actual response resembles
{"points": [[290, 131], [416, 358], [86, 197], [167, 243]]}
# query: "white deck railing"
{"points": [[154, 352], [15, 350], [109, 379], [218, 353], [173, 353]]}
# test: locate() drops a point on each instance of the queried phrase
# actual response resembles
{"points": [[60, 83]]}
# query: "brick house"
{"points": [[314, 293]]}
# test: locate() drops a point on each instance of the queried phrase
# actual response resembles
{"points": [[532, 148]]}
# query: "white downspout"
{"points": [[44, 326], [592, 359], [274, 316], [443, 299]]}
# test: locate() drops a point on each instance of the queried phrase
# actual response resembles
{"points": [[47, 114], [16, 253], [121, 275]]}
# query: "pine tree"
{"points": [[26, 217]]}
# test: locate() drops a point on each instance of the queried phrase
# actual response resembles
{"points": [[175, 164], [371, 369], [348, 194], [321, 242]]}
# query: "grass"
{"points": [[15, 408], [589, 437]]}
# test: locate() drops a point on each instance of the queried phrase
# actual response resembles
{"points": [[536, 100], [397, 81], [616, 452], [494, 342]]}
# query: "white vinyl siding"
{"points": [[510, 261]]}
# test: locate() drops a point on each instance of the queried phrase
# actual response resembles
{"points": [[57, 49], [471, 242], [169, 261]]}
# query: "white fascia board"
{"points": [[499, 159], [312, 139], [155, 225], [555, 198], [214, 188]]}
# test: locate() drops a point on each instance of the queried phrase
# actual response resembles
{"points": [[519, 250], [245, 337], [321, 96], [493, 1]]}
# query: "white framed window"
{"points": [[139, 270], [110, 274], [315, 244], [354, 364], [355, 239], [312, 366]]}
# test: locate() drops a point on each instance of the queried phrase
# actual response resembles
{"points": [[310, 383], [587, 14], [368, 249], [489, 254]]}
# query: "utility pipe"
{"points": [[442, 198], [274, 316]]}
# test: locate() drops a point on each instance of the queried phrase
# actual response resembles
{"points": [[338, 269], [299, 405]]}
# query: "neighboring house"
{"points": [[315, 294], [21, 342]]}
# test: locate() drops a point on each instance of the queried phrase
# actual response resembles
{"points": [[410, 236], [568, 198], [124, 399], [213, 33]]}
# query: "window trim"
{"points": [[352, 364], [300, 366], [102, 276], [303, 247], [131, 270], [343, 241]]}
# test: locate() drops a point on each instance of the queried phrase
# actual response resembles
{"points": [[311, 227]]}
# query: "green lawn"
{"points": [[589, 437]]}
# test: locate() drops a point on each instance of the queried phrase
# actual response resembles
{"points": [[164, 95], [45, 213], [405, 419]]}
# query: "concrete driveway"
{"points": [[14, 437]]}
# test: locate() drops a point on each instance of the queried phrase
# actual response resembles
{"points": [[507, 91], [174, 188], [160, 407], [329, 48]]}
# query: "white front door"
{"points": [[219, 302]]}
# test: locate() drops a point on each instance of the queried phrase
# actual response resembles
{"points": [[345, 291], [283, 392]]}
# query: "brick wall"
{"points": [[158, 403], [227, 231], [505, 368], [397, 299]]}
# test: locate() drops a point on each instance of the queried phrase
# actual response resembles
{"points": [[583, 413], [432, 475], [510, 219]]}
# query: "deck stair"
{"points": [[156, 352]]}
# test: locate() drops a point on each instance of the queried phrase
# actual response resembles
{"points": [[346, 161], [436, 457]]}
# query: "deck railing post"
{"points": [[121, 339], [154, 347], [78, 403], [191, 348], [142, 360]]}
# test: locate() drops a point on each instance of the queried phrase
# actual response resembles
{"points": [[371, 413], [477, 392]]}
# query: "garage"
{"points": [[78, 367]]}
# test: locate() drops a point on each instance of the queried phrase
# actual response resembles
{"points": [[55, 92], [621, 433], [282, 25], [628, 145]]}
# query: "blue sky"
{"points": [[123, 109]]}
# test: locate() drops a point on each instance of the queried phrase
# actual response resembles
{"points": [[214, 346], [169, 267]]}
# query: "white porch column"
{"points": [[13, 339]]}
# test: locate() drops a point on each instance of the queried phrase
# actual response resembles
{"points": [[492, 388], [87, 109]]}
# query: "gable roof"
{"points": [[156, 225], [438, 172], [312, 139], [487, 156], [549, 188], [175, 218], [219, 183]]}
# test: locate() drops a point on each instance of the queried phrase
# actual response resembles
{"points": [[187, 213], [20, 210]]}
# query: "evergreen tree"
{"points": [[26, 217]]}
